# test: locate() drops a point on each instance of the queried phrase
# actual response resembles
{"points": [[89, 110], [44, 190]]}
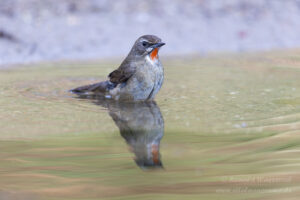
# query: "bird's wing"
{"points": [[123, 73]]}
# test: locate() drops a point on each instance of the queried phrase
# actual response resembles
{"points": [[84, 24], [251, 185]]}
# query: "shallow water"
{"points": [[225, 126]]}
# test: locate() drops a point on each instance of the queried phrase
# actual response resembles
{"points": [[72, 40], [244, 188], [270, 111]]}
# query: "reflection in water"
{"points": [[142, 126]]}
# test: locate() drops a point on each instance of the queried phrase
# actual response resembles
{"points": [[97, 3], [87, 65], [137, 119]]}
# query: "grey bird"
{"points": [[138, 78]]}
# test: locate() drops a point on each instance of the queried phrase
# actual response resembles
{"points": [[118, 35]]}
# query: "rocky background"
{"points": [[39, 30]]}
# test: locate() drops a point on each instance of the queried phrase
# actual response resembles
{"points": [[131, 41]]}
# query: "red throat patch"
{"points": [[154, 54]]}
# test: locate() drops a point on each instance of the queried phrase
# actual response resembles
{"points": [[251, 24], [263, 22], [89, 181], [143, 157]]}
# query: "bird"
{"points": [[139, 77]]}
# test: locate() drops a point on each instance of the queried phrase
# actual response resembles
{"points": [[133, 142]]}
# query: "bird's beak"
{"points": [[156, 45]]}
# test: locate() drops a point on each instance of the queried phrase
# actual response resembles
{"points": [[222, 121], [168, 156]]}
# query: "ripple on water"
{"points": [[227, 122]]}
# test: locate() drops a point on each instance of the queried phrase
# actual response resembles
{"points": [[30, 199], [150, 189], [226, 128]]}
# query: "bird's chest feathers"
{"points": [[152, 69]]}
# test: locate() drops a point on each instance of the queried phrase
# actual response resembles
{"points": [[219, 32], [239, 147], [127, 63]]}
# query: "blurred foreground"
{"points": [[225, 127]]}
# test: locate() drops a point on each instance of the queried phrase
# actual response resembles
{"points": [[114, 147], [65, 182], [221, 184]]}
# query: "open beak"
{"points": [[156, 45]]}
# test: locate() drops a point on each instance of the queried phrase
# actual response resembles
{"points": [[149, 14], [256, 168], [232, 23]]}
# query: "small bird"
{"points": [[138, 78]]}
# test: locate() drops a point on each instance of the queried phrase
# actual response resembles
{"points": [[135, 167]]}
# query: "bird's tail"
{"points": [[97, 88]]}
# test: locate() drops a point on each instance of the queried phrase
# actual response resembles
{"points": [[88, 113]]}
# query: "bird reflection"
{"points": [[142, 126]]}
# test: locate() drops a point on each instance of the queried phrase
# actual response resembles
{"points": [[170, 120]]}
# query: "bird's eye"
{"points": [[145, 43]]}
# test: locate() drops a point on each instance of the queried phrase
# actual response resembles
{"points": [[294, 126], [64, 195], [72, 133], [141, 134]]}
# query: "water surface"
{"points": [[225, 126]]}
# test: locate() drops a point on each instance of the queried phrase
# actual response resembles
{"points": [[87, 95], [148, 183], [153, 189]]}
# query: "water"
{"points": [[225, 126]]}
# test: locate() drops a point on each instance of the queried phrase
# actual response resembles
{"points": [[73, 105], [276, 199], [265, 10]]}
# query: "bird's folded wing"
{"points": [[122, 74]]}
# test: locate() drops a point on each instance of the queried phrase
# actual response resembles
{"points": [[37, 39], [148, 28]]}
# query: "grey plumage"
{"points": [[139, 77]]}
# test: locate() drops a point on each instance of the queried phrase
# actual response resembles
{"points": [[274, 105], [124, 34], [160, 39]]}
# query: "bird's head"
{"points": [[147, 45]]}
